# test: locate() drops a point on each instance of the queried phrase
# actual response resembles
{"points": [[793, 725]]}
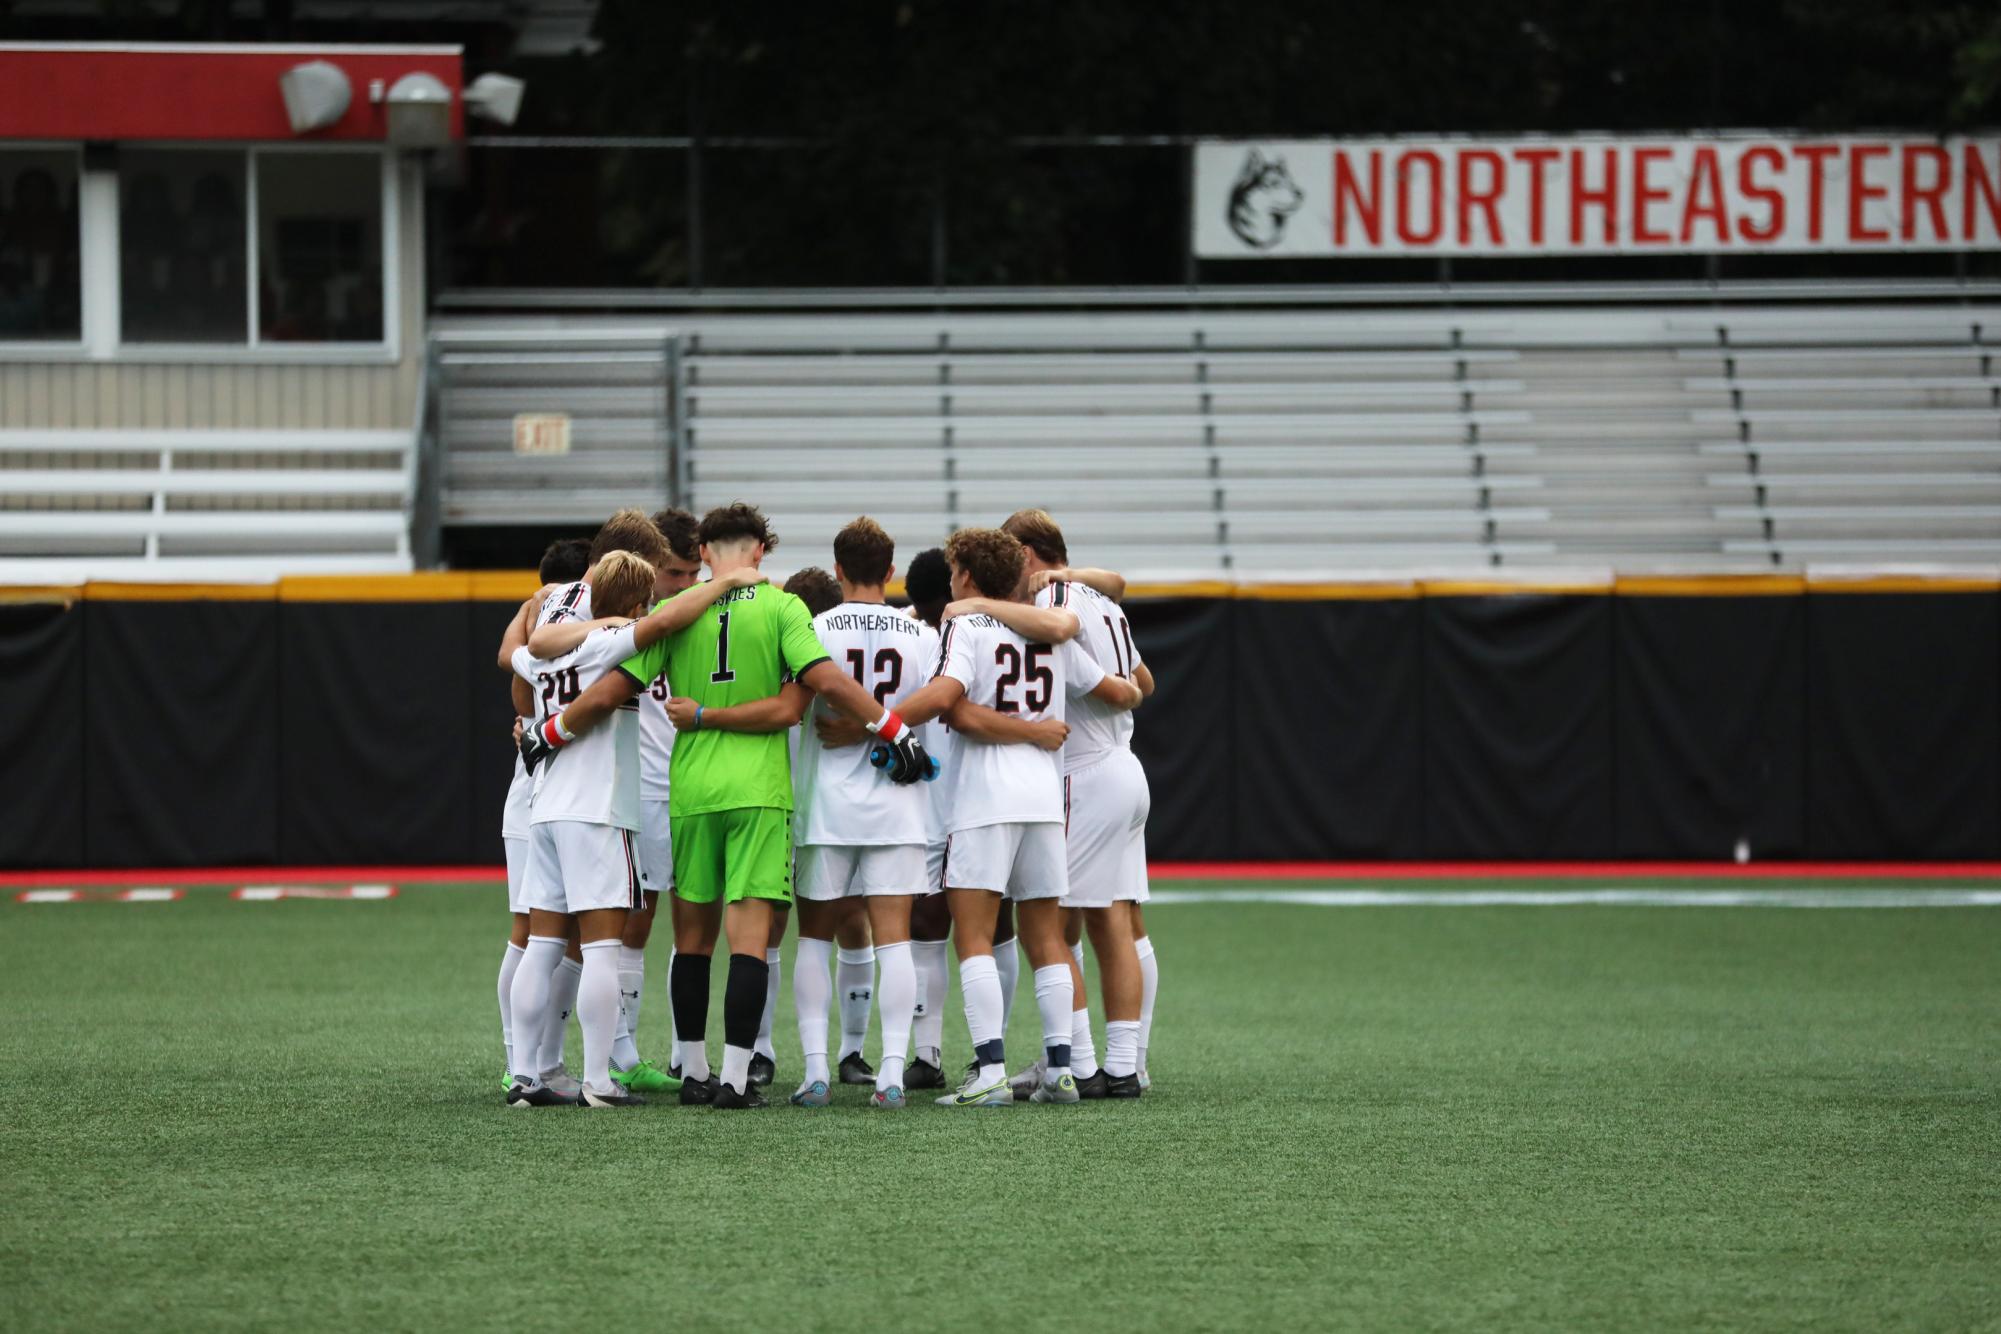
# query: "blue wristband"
{"points": [[698, 718]]}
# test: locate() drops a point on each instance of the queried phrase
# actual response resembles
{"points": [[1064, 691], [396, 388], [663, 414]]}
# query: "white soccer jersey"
{"points": [[596, 777], [656, 740], [1096, 728], [570, 602], [839, 797], [1009, 784]]}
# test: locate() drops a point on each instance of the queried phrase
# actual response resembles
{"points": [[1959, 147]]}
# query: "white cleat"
{"points": [[1144, 1082], [558, 1078], [1028, 1079], [1062, 1089], [973, 1093], [611, 1095]]}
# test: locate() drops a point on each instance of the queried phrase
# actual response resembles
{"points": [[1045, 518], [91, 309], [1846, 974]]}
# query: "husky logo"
{"points": [[1261, 201]]}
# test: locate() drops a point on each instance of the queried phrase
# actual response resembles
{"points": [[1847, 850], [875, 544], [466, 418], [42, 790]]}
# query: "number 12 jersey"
{"points": [[842, 799]]}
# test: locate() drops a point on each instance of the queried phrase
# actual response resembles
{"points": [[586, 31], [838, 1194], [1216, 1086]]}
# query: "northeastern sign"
{"points": [[1596, 195]]}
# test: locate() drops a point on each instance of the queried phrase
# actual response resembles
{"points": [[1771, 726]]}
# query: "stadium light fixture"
{"points": [[316, 95], [420, 112], [495, 97]]}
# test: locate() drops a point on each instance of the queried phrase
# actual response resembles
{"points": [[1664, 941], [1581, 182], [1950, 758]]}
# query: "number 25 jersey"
{"points": [[1019, 783]]}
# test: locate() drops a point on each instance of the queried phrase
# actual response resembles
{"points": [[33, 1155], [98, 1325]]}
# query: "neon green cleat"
{"points": [[506, 1083], [646, 1077]]}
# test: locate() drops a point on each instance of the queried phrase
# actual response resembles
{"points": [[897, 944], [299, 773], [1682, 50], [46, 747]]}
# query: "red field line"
{"points": [[1378, 871]]}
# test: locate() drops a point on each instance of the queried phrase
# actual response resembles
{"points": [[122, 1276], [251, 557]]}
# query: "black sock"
{"points": [[743, 999], [990, 1053], [688, 989]]}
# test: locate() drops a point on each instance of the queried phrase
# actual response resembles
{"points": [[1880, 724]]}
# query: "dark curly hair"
{"points": [[736, 523]]}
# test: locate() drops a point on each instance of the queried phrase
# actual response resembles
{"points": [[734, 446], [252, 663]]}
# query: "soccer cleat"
{"points": [[1062, 1089], [1124, 1086], [1025, 1081], [762, 1070], [506, 1082], [559, 1078], [855, 1070], [1145, 1081], [645, 1077], [610, 1096], [673, 1072], [973, 1093], [521, 1093], [699, 1092], [889, 1099], [1093, 1085], [814, 1094], [922, 1074], [728, 1099]]}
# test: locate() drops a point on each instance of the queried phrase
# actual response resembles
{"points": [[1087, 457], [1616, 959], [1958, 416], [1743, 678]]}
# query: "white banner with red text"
{"points": [[1596, 195]]}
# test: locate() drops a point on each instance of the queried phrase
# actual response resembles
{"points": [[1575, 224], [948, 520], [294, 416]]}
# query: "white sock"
{"points": [[1077, 953], [979, 983], [812, 996], [1083, 1052], [1053, 998], [510, 959], [736, 1066], [897, 999], [1007, 963], [562, 1000], [774, 960], [631, 992], [673, 1037], [597, 1008], [693, 1058], [1149, 979], [530, 1001], [927, 1029], [1121, 1046], [856, 979]]}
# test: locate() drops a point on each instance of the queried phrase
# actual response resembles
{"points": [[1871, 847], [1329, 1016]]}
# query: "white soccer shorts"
{"points": [[1107, 805], [578, 867], [655, 842], [827, 871], [934, 867], [1021, 861], [517, 871]]}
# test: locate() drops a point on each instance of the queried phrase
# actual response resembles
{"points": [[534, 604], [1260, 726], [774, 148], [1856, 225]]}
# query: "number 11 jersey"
{"points": [[1017, 783]]}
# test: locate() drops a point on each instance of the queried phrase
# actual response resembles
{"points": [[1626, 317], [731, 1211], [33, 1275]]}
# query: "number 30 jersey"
{"points": [[739, 650], [1020, 783], [596, 777], [841, 798]]}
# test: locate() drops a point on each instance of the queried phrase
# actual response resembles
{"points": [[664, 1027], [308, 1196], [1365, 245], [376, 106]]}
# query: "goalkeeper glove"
{"points": [[542, 740]]}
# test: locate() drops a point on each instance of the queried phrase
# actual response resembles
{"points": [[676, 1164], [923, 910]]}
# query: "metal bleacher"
{"points": [[1271, 442], [202, 504]]}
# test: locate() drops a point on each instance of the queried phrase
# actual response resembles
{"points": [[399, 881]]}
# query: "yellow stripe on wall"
{"points": [[514, 585]]}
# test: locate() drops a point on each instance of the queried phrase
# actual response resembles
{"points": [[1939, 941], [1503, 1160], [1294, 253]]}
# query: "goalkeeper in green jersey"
{"points": [[730, 799]]}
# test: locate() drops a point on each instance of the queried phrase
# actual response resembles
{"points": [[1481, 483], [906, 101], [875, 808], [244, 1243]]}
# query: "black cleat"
{"points": [[537, 1095], [1096, 1086], [854, 1070], [674, 1071], [728, 1099], [614, 1097], [1121, 1086], [699, 1092], [923, 1075], [762, 1070]]}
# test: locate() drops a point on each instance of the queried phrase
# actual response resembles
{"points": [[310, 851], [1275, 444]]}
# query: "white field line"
{"points": [[1870, 897]]}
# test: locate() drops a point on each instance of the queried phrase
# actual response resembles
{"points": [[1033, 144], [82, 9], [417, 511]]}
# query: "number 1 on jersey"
{"points": [[722, 672]]}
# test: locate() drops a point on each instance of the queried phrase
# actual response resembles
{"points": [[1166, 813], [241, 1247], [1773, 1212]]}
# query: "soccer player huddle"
{"points": [[960, 770]]}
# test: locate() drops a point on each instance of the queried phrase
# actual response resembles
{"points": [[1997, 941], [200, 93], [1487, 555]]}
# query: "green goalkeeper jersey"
{"points": [[741, 650]]}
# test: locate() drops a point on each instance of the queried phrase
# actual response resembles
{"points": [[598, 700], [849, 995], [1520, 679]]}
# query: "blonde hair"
{"points": [[620, 582]]}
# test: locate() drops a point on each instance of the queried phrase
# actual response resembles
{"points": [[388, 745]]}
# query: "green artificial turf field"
{"points": [[235, 1115]]}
